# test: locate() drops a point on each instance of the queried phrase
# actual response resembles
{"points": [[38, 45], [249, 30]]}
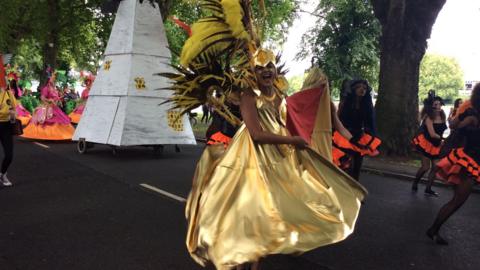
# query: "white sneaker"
{"points": [[4, 180]]}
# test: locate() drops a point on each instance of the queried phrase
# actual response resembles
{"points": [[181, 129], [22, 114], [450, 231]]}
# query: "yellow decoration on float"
{"points": [[106, 65], [140, 83], [175, 120]]}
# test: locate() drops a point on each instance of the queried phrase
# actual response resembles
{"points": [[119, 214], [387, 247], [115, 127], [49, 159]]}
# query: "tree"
{"points": [[345, 40], [75, 32], [295, 83], [276, 20], [64, 31], [442, 74], [406, 26]]}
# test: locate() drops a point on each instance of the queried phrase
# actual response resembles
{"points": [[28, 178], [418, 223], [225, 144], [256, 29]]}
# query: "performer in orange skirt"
{"points": [[77, 113], [48, 121], [461, 167], [357, 115], [22, 114], [429, 139], [304, 119]]}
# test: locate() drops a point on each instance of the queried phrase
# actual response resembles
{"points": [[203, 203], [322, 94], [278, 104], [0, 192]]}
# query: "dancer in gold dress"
{"points": [[268, 193]]}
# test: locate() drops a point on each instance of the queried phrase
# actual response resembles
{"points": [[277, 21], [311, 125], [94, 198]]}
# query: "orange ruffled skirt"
{"points": [[53, 132], [340, 158], [75, 117], [451, 166], [219, 138], [426, 147], [341, 148], [370, 142], [24, 119]]}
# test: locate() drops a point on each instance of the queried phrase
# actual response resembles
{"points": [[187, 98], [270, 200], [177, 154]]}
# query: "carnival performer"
{"points": [[48, 121], [77, 113], [461, 167], [22, 114], [357, 115], [456, 105], [268, 193], [428, 142], [306, 118], [7, 117], [220, 130]]}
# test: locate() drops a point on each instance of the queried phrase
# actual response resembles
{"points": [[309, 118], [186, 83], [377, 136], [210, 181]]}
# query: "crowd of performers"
{"points": [[52, 112], [353, 136], [454, 159]]}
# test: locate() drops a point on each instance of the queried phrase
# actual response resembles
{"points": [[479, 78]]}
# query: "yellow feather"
{"points": [[233, 16]]}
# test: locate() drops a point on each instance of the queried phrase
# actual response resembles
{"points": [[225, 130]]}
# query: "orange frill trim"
{"points": [[451, 166], [367, 140], [425, 147], [340, 158], [55, 132], [24, 119], [218, 138], [75, 117]]}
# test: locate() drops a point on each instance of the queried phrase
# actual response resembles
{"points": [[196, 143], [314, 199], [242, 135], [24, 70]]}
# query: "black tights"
{"points": [[461, 194], [6, 139], [355, 167], [426, 165]]}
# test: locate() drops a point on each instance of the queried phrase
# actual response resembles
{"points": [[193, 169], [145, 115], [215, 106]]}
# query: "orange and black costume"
{"points": [[425, 144], [465, 157], [221, 131], [360, 121]]}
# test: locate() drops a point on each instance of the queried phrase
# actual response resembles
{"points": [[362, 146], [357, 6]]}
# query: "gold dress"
{"points": [[253, 199]]}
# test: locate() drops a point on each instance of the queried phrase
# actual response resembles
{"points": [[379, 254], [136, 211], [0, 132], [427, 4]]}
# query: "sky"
{"points": [[454, 34]]}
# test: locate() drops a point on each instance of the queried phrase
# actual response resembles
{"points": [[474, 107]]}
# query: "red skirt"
{"points": [[451, 166], [426, 147]]}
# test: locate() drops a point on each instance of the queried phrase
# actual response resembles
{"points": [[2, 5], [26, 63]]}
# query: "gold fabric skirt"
{"points": [[246, 205], [252, 200]]}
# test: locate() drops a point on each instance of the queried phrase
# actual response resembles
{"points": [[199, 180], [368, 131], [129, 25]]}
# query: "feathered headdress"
{"points": [[218, 59], [12, 73]]}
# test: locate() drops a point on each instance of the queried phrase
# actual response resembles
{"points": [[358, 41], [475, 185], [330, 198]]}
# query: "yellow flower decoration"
{"points": [[175, 120], [106, 65], [140, 83]]}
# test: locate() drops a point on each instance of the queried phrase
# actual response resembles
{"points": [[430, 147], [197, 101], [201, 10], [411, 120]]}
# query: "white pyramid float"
{"points": [[123, 106]]}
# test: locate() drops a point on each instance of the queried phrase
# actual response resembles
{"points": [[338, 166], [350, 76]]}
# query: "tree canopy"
{"points": [[63, 33], [74, 33], [442, 74], [345, 40]]}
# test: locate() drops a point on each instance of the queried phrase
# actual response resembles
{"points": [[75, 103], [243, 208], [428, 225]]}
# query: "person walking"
{"points": [[8, 104]]}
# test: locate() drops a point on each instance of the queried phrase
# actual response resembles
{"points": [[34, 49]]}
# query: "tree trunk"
{"points": [[50, 48], [406, 26]]}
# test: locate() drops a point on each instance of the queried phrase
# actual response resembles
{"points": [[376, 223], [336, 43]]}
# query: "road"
{"points": [[76, 212]]}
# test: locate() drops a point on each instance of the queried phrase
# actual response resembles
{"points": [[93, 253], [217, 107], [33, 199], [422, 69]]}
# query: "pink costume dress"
{"points": [[49, 122], [23, 114], [77, 113]]}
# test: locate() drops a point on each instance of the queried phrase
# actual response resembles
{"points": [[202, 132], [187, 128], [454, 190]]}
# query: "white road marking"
{"points": [[41, 145], [165, 193]]}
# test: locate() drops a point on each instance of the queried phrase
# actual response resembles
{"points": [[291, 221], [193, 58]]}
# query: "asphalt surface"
{"points": [[71, 211]]}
